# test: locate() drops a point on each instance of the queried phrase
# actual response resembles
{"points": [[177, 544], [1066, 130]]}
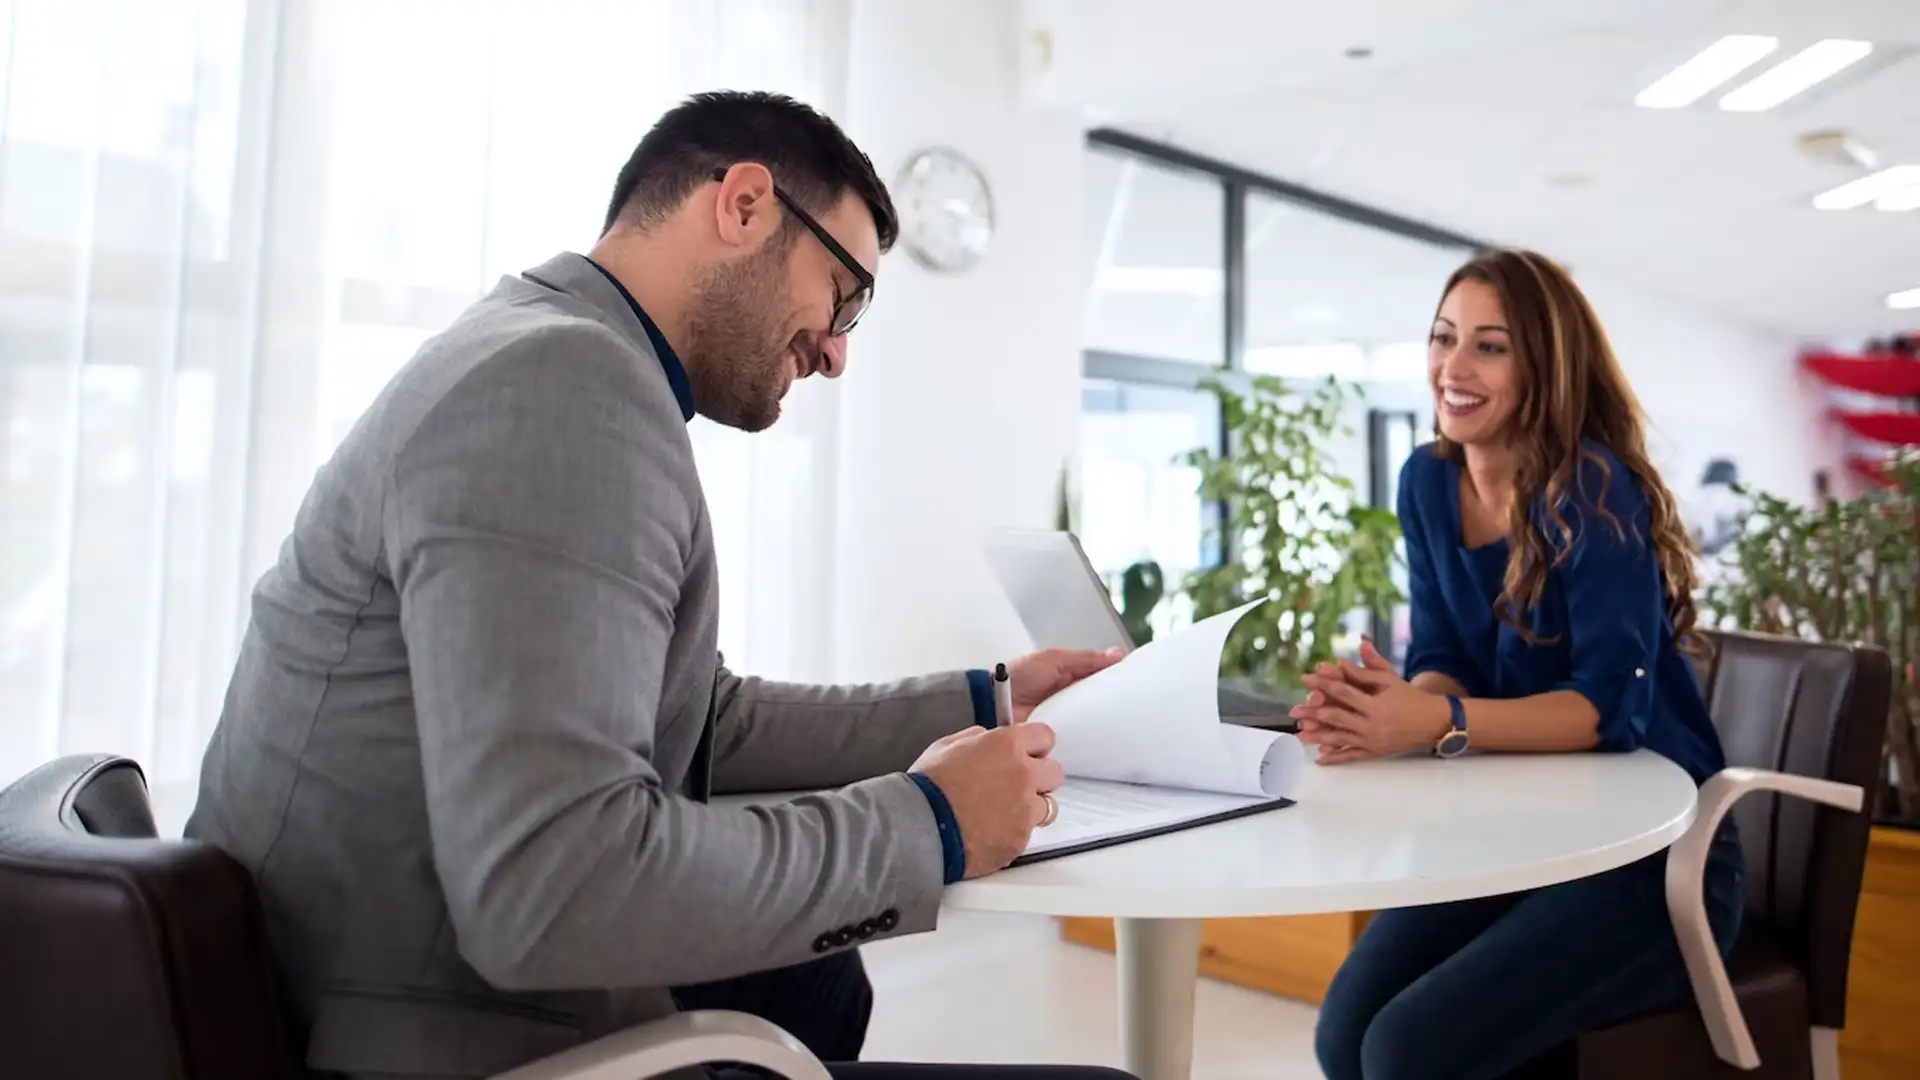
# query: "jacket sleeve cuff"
{"points": [[953, 853], [980, 686]]}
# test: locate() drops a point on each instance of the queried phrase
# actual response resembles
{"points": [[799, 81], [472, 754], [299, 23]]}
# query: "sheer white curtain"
{"points": [[225, 223]]}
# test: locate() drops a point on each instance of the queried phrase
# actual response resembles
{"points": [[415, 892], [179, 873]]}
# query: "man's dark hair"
{"points": [[811, 159]]}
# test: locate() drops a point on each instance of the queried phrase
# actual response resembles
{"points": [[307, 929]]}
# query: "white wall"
{"points": [[1714, 387], [959, 407]]}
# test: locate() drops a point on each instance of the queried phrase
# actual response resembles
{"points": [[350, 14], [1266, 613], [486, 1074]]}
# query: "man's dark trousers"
{"points": [[826, 1004]]}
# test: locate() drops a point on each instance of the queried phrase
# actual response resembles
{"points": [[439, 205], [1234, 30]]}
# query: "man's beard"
{"points": [[737, 362]]}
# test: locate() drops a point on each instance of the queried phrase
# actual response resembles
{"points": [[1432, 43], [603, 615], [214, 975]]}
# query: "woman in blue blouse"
{"points": [[1551, 594]]}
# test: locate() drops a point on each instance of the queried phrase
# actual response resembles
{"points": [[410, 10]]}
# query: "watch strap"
{"points": [[1453, 742]]}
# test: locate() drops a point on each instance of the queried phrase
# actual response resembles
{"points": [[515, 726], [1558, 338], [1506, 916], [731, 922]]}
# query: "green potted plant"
{"points": [[1298, 534], [1846, 571]]}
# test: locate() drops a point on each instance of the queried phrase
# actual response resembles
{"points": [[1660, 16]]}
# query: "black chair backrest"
{"points": [[123, 956], [1816, 710]]}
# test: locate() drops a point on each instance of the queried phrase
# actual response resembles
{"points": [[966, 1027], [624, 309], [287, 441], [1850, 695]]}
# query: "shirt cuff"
{"points": [[953, 853], [980, 685]]}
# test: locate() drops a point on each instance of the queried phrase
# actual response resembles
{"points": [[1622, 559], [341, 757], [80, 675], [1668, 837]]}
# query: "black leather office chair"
{"points": [[1803, 725], [127, 957]]}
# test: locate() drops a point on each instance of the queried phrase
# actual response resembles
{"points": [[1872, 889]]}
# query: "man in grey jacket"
{"points": [[478, 713]]}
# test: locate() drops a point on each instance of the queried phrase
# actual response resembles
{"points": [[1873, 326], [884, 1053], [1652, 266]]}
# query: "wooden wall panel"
{"points": [[1882, 1037]]}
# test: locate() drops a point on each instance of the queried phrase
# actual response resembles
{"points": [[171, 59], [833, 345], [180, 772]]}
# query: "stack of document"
{"points": [[1145, 751]]}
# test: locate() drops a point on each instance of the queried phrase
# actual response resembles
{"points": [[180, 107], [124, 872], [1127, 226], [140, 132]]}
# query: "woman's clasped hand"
{"points": [[1357, 711]]}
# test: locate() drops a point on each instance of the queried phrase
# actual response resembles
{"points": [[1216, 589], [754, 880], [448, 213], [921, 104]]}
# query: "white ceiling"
{"points": [[1512, 121]]}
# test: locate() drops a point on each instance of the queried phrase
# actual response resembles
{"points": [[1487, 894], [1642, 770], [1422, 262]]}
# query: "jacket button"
{"points": [[823, 943], [1639, 673], [888, 920], [868, 928], [843, 936]]}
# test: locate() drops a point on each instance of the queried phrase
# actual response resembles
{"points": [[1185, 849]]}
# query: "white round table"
{"points": [[1362, 837]]}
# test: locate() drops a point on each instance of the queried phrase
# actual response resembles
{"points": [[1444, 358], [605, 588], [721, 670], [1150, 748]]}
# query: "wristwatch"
{"points": [[1454, 742]]}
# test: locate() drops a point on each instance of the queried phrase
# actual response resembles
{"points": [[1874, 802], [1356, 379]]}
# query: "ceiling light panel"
{"points": [[1708, 69], [1814, 64], [1904, 301], [1860, 192], [1906, 198]]}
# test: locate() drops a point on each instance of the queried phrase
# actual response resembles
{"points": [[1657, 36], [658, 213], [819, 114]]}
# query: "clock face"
{"points": [[946, 210]]}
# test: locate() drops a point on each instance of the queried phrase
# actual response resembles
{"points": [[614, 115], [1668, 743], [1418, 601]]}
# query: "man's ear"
{"points": [[745, 211]]}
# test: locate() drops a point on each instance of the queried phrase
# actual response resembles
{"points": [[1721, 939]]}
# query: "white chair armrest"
{"points": [[1686, 899], [680, 1041]]}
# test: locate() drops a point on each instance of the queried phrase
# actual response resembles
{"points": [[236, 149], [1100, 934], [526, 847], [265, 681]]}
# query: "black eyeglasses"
{"points": [[847, 310]]}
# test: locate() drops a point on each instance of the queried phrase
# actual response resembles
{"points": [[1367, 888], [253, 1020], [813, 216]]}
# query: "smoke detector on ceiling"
{"points": [[1838, 147]]}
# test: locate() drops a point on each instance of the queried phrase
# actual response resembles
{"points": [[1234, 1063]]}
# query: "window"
{"points": [[1156, 323], [1136, 502], [1328, 295], [1199, 267], [1159, 267]]}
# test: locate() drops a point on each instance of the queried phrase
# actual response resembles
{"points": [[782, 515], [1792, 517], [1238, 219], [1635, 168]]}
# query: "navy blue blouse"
{"points": [[1601, 625]]}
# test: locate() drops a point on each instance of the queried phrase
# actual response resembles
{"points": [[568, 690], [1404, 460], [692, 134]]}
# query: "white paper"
{"points": [[1094, 810], [1154, 719]]}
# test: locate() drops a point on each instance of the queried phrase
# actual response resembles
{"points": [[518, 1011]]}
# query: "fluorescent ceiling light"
{"points": [[1868, 188], [1190, 280], [1818, 61], [1712, 66], [1906, 198], [1906, 300]]}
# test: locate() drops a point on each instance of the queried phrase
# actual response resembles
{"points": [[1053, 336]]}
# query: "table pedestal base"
{"points": [[1159, 968]]}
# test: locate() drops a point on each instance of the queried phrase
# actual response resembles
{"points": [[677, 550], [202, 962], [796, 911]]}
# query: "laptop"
{"points": [[1064, 604]]}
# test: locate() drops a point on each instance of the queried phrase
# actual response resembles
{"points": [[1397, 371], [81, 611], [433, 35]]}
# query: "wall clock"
{"points": [[946, 210]]}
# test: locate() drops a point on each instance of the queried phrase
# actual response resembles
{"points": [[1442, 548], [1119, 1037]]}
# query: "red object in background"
{"points": [[1892, 428], [1868, 469], [1880, 374], [1885, 372]]}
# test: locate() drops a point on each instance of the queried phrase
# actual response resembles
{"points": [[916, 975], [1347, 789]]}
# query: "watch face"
{"points": [[946, 210], [1452, 743]]}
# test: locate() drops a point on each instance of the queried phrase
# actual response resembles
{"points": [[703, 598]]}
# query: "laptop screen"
{"points": [[1053, 587]]}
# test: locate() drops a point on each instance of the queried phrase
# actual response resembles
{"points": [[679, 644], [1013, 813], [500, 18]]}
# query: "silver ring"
{"points": [[1053, 811]]}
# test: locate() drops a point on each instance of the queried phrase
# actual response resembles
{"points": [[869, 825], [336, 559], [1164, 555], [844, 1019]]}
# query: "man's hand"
{"points": [[994, 780], [1358, 712], [1038, 676]]}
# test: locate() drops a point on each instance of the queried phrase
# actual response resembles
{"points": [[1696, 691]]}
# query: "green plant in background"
{"points": [[1300, 536], [1846, 571], [1141, 587]]}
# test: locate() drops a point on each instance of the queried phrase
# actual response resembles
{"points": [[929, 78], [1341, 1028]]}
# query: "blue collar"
{"points": [[669, 360]]}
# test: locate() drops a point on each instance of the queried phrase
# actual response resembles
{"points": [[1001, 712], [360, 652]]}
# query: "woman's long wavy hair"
{"points": [[1571, 390]]}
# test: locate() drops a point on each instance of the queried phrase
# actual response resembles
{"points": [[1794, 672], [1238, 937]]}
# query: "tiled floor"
{"points": [[1053, 1002]]}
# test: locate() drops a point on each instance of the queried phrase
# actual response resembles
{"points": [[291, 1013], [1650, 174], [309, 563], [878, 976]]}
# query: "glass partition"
{"points": [[1156, 239], [1200, 267]]}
